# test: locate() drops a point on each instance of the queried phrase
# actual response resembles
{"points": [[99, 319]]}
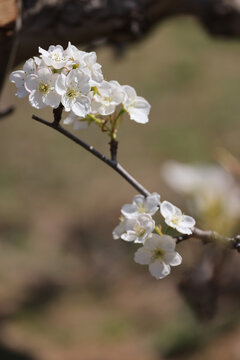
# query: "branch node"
{"points": [[113, 149], [57, 113]]}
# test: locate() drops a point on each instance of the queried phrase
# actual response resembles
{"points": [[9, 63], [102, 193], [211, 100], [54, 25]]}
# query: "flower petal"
{"points": [[159, 269], [129, 236], [188, 221], [31, 82], [129, 210], [143, 256], [81, 107], [153, 203], [184, 230], [29, 67], [52, 99], [35, 99], [60, 85], [138, 115], [139, 200], [119, 230], [173, 258], [167, 209]]}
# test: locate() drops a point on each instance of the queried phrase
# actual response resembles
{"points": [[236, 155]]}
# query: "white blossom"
{"points": [[75, 57], [55, 56], [158, 252], [137, 107], [107, 97], [207, 186], [42, 89], [19, 77], [176, 219], [92, 68], [120, 228], [76, 121], [74, 89], [85, 61], [136, 229], [142, 205], [80, 84]]}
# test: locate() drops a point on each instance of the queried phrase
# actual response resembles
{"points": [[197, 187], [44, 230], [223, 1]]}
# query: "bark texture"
{"points": [[91, 23]]}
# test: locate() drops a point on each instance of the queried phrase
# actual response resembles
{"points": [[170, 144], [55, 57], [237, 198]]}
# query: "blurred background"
{"points": [[70, 292]]}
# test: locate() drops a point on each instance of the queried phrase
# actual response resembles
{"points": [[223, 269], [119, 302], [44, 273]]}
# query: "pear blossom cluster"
{"points": [[157, 247], [74, 78]]}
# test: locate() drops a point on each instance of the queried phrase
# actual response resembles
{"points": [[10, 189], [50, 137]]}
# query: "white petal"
{"points": [[17, 77], [164, 242], [139, 110], [69, 119], [37, 60], [130, 94], [35, 99], [29, 67], [146, 222], [105, 89], [42, 51], [183, 230], [59, 64], [61, 84], [81, 107], [80, 125], [32, 82], [159, 269], [106, 109], [129, 210], [129, 236], [167, 209], [138, 115], [188, 221], [97, 73], [143, 256], [173, 258], [170, 222], [152, 242], [52, 99], [44, 74], [130, 223], [22, 92], [167, 243], [139, 200], [119, 230], [67, 103], [79, 80], [153, 203]]}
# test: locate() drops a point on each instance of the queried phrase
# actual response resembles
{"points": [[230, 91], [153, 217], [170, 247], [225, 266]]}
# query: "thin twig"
{"points": [[205, 236], [208, 236], [113, 164]]}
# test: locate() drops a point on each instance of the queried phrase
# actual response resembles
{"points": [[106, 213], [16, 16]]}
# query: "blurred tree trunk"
{"points": [[94, 22]]}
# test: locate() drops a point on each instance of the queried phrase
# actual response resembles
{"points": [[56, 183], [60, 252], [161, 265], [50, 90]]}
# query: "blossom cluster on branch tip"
{"points": [[74, 78], [158, 247]]}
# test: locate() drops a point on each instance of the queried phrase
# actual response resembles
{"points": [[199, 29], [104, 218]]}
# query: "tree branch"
{"points": [[205, 236], [113, 164], [208, 236]]}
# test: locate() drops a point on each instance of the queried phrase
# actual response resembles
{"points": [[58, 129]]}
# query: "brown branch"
{"points": [[90, 23], [118, 23], [208, 236], [205, 236], [113, 164]]}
